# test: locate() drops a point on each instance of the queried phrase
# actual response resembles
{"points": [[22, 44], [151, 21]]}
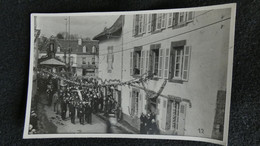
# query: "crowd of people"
{"points": [[148, 124], [77, 101]]}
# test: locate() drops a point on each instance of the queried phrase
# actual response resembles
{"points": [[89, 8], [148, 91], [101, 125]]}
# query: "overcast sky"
{"points": [[84, 26]]}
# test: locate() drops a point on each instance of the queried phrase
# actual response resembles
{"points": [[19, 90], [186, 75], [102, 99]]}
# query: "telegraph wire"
{"points": [[167, 37]]}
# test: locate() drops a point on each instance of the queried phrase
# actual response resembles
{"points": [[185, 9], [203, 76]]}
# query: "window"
{"points": [[156, 60], [84, 60], [181, 18], [175, 118], [139, 24], [110, 59], [180, 62], [135, 102], [58, 49], [84, 49], [71, 60], [136, 61], [93, 49], [93, 60], [51, 47]]}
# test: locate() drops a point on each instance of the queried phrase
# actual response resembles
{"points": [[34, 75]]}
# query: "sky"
{"points": [[84, 26]]}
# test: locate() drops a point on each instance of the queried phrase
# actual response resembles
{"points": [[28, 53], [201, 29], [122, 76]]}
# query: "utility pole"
{"points": [[69, 47]]}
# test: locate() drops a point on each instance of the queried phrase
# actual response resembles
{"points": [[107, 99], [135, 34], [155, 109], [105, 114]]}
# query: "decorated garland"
{"points": [[110, 82]]}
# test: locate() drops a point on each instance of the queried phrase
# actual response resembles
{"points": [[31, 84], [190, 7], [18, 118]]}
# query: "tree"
{"points": [[60, 36]]}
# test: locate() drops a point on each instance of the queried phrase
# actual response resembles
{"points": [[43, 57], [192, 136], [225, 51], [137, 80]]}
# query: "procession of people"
{"points": [[77, 101]]}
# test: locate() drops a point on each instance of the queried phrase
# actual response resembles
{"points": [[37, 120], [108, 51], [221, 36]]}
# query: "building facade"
{"points": [[187, 49], [80, 56]]}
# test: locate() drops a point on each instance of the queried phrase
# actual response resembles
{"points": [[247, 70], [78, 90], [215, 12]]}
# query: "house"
{"points": [[110, 64], [188, 51], [80, 56]]}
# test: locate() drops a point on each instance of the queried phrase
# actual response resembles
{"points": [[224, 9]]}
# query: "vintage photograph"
{"points": [[143, 74]]}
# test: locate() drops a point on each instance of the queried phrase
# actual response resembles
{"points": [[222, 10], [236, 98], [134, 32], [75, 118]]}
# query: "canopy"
{"points": [[53, 62]]}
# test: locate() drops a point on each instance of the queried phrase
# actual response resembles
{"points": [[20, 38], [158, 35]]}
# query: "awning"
{"points": [[53, 62]]}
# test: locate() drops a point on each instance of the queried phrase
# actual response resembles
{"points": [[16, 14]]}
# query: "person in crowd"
{"points": [[143, 120], [81, 114]]}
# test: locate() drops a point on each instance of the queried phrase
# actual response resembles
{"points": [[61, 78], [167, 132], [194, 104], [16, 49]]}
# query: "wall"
{"points": [[208, 66]]}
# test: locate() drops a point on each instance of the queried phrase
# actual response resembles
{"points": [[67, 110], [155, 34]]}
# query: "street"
{"points": [[50, 122]]}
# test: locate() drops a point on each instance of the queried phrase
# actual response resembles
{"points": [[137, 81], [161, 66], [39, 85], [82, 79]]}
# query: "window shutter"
{"points": [[170, 15], [149, 24], [153, 22], [160, 68], [166, 64], [142, 63], [163, 20], [190, 16], [186, 63], [131, 63], [159, 21], [175, 19], [147, 61], [140, 110], [144, 23], [133, 31], [140, 24], [130, 101]]}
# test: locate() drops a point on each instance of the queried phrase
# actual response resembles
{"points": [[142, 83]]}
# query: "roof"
{"points": [[117, 26], [73, 44], [52, 61]]}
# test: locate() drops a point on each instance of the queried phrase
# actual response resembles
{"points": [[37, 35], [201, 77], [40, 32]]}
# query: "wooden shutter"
{"points": [[160, 66], [153, 22], [149, 23], [175, 19], [190, 16], [186, 63], [133, 103], [147, 61], [131, 63], [130, 102], [168, 115], [144, 23], [133, 30], [140, 105], [166, 64], [163, 23], [169, 23], [182, 117], [142, 63], [163, 113]]}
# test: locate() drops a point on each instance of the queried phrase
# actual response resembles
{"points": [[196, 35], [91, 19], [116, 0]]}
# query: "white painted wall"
{"points": [[208, 66]]}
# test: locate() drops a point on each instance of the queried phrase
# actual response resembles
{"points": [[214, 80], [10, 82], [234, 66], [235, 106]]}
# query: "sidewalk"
{"points": [[123, 125]]}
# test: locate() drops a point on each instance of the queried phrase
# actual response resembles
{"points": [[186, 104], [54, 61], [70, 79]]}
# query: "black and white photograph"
{"points": [[158, 74]]}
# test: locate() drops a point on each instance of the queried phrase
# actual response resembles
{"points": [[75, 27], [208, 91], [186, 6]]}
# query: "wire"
{"points": [[165, 38]]}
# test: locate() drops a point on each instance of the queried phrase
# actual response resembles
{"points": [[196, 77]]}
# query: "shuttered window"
{"points": [[147, 61], [142, 62], [166, 64], [131, 63], [149, 24], [163, 23], [169, 24], [160, 70], [186, 63]]}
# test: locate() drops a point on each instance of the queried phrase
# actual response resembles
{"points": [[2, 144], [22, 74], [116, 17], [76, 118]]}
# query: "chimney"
{"points": [[80, 41]]}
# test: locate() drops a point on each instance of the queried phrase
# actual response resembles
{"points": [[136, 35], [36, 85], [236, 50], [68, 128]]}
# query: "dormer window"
{"points": [[58, 49], [93, 49], [51, 47], [84, 49]]}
